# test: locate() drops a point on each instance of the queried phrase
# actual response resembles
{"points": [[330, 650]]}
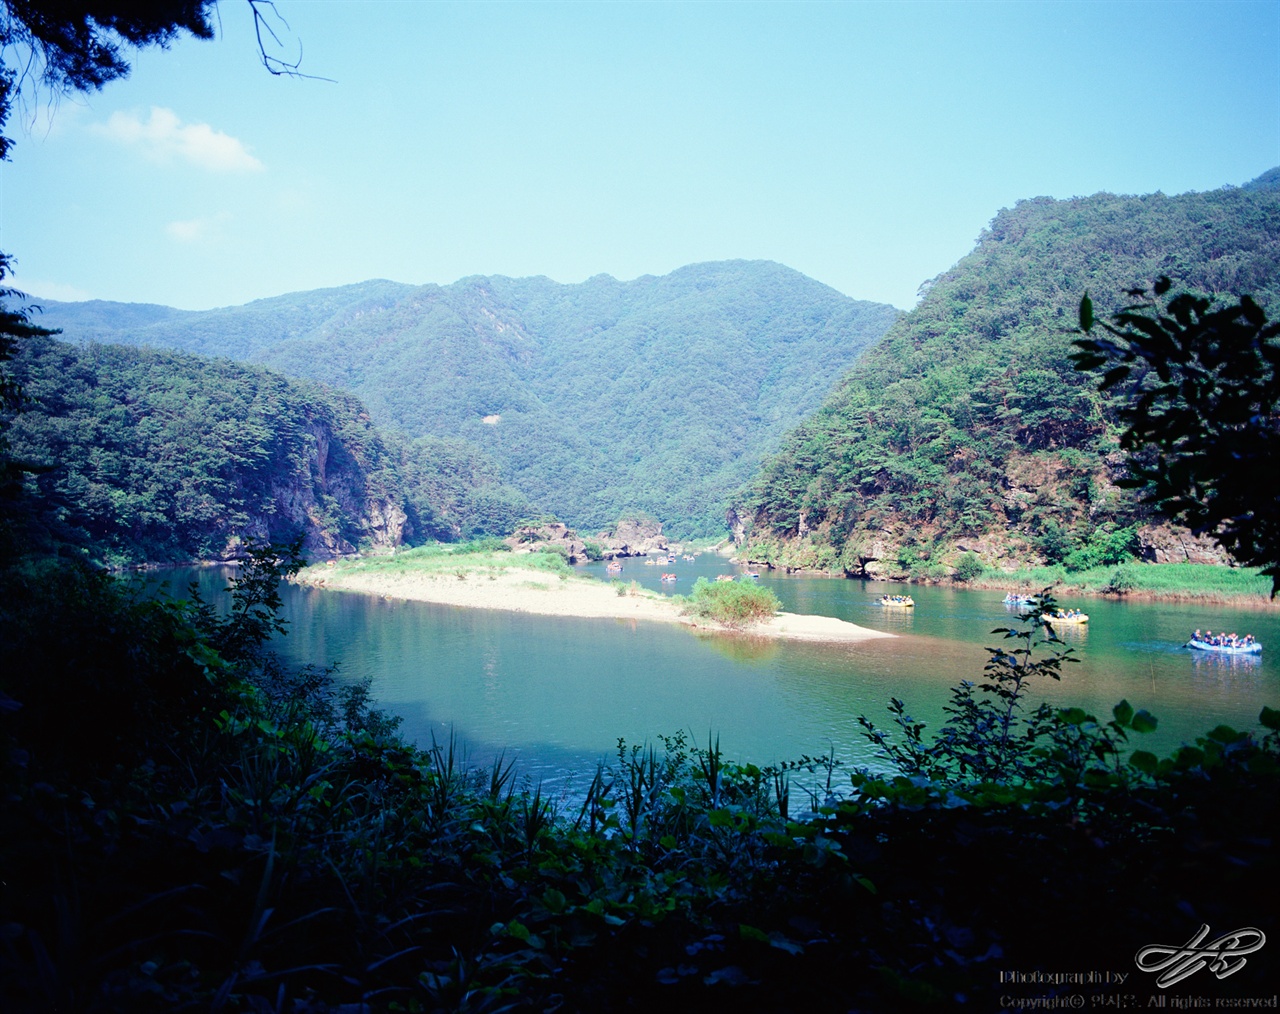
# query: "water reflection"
{"points": [[1225, 672], [740, 647], [557, 693], [896, 619], [1073, 634]]}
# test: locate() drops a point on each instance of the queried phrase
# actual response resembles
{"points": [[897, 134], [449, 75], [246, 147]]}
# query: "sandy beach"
{"points": [[532, 591]]}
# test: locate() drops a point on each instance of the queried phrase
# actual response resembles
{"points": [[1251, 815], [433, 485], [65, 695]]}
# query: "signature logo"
{"points": [[1223, 957]]}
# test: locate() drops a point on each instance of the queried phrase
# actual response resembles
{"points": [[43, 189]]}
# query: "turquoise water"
{"points": [[558, 693]]}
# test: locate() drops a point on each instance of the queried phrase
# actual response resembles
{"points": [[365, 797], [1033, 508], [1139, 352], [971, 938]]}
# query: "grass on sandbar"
{"points": [[481, 557]]}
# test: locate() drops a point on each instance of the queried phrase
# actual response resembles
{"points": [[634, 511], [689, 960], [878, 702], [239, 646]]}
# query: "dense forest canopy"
{"points": [[154, 455], [660, 394], [967, 427]]}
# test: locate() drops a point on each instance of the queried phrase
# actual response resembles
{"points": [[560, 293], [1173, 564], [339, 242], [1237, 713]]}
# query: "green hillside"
{"points": [[659, 394], [967, 428], [152, 455]]}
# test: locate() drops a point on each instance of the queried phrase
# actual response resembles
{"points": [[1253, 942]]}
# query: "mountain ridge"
{"points": [[659, 394], [967, 430]]}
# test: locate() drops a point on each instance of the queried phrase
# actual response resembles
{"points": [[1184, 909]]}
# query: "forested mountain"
{"points": [[967, 427], [659, 394], [155, 455]]}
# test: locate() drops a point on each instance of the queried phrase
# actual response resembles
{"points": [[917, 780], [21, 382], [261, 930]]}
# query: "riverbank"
{"points": [[541, 584], [1244, 587], [1169, 582]]}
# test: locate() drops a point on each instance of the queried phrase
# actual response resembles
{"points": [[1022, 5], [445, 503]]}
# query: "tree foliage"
{"points": [[969, 420], [1203, 419], [150, 455], [658, 394]]}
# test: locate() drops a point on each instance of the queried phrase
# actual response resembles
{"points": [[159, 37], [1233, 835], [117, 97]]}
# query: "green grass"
{"points": [[1172, 580], [456, 560]]}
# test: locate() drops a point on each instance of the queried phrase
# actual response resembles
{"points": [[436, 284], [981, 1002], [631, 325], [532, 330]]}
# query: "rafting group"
{"points": [[1018, 599], [897, 600], [1231, 644]]}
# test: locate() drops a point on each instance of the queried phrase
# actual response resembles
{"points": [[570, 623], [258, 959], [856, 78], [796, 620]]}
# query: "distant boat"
{"points": [[1252, 648], [668, 577], [1061, 617], [1014, 599], [724, 577], [614, 568], [751, 574], [663, 561], [902, 601]]}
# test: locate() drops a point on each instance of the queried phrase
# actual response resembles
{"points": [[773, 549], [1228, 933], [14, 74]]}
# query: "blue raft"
{"points": [[1226, 649]]}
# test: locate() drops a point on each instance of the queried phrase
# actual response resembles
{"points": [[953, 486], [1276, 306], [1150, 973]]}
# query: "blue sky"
{"points": [[864, 144]]}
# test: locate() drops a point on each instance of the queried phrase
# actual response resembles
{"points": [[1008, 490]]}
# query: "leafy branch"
{"points": [[1203, 426]]}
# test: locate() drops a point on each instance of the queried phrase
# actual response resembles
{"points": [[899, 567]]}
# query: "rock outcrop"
{"points": [[328, 496], [629, 537], [1171, 544], [634, 537], [552, 534]]}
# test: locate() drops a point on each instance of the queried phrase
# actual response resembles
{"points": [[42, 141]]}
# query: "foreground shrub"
{"points": [[735, 604], [290, 853]]}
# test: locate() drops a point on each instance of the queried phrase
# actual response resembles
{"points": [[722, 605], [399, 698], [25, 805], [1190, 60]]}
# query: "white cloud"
{"points": [[165, 138], [193, 230], [39, 289]]}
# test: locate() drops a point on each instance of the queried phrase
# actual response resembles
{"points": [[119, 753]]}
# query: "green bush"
{"points": [[732, 603], [1106, 546], [969, 567], [909, 558], [1122, 580]]}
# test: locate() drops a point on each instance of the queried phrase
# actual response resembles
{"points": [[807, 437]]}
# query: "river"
{"points": [[556, 694]]}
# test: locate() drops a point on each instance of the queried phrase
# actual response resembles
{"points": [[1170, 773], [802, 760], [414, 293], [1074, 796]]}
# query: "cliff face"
{"points": [[329, 498], [967, 430], [167, 458]]}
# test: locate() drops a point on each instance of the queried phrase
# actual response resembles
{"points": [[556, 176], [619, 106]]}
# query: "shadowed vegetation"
{"points": [[186, 824]]}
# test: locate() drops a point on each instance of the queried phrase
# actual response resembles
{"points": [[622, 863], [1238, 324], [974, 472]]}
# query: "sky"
{"points": [[864, 144]]}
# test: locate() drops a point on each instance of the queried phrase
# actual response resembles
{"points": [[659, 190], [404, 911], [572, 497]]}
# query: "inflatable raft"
{"points": [[1253, 648]]}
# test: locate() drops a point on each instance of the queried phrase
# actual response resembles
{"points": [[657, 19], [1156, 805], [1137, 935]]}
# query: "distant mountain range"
{"points": [[660, 395], [968, 429], [961, 432]]}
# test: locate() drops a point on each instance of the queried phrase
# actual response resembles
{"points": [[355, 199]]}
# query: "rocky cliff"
{"points": [[168, 457]]}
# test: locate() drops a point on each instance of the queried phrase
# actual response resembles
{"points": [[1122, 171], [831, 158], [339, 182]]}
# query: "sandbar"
{"points": [[532, 591]]}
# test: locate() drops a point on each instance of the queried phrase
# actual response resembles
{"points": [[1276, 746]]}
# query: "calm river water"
{"points": [[558, 693]]}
